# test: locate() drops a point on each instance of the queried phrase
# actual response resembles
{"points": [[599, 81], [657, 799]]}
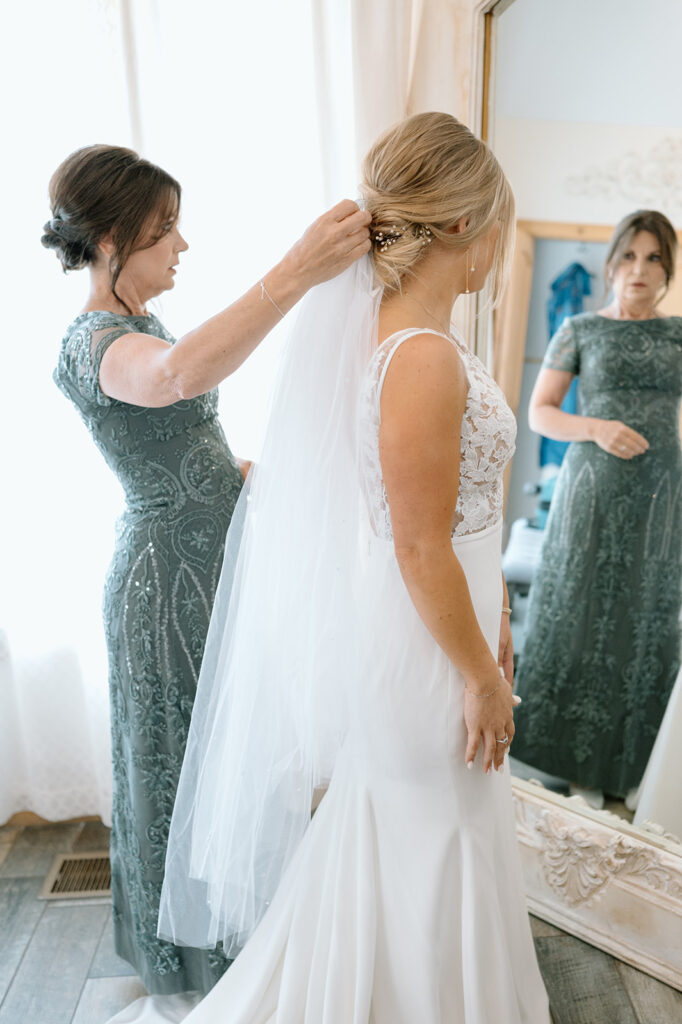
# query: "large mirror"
{"points": [[581, 106]]}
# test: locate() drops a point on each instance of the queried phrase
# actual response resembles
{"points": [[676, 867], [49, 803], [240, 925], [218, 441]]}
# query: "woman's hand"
{"points": [[331, 243], [488, 719], [147, 371], [505, 653], [617, 439], [244, 466]]}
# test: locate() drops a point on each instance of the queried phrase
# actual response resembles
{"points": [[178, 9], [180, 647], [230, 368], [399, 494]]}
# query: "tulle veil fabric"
{"points": [[270, 712]]}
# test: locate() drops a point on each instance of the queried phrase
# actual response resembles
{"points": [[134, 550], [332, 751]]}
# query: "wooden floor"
{"points": [[58, 966]]}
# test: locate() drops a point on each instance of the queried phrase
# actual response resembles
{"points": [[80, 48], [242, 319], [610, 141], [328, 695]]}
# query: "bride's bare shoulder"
{"points": [[425, 383]]}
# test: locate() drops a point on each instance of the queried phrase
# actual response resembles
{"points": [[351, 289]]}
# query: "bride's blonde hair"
{"points": [[421, 177]]}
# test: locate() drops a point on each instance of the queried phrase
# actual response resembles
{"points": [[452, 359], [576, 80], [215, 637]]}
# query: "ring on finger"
{"points": [[505, 740]]}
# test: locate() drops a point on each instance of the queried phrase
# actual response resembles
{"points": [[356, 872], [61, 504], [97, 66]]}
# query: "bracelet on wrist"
{"points": [[505, 610], [264, 292], [482, 695]]}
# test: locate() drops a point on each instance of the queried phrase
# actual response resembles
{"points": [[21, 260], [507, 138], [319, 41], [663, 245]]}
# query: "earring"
{"points": [[466, 272]]}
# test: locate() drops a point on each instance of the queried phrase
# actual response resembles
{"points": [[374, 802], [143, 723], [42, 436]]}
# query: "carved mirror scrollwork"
{"points": [[617, 886]]}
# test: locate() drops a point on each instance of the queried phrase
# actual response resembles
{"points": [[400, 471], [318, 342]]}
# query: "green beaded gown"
{"points": [[602, 646], [181, 484]]}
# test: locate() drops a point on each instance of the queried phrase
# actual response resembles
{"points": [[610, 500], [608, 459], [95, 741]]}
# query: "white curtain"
{"points": [[224, 99], [238, 101], [377, 62], [63, 86], [227, 105]]}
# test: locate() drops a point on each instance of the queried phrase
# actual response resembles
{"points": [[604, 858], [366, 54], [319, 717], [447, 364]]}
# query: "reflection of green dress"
{"points": [[602, 645], [181, 484]]}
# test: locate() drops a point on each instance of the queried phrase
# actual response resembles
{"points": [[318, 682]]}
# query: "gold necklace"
{"points": [[447, 330]]}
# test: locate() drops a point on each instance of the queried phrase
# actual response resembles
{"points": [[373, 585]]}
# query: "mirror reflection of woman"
{"points": [[602, 644], [150, 404]]}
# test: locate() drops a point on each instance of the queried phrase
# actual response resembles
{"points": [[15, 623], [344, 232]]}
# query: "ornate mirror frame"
{"points": [[590, 873]]}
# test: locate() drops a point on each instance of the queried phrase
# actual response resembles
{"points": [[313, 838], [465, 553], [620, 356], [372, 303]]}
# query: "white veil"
{"points": [[269, 715]]}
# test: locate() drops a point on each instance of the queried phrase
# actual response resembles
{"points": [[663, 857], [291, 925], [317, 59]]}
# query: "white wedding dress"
{"points": [[659, 794], [404, 901]]}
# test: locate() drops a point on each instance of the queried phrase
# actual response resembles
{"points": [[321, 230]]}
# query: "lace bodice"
{"points": [[487, 445]]}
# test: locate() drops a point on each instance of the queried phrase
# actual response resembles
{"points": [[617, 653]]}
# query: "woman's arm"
{"points": [[547, 418], [545, 415], [422, 405], [147, 371]]}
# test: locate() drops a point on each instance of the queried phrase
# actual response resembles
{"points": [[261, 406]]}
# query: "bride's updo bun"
{"points": [[421, 177]]}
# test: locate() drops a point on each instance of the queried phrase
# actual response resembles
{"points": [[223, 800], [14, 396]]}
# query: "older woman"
{"points": [[151, 406], [602, 646]]}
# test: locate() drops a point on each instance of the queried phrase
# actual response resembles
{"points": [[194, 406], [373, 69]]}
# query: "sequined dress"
{"points": [[181, 483], [602, 646]]}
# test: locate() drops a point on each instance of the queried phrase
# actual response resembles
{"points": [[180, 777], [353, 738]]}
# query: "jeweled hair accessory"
{"points": [[384, 239], [424, 233]]}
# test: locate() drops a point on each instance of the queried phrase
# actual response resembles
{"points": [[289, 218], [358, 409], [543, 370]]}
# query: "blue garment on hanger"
{"points": [[568, 290]]}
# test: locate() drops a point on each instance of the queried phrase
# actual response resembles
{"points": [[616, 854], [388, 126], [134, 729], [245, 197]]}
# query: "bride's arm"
{"points": [[422, 405]]}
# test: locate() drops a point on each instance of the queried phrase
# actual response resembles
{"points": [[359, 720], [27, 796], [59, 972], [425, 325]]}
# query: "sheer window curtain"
{"points": [[238, 101], [378, 62], [224, 99], [62, 88]]}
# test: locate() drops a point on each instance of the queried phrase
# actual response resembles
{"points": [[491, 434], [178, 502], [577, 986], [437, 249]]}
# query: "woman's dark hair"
{"points": [[108, 190], [642, 220]]}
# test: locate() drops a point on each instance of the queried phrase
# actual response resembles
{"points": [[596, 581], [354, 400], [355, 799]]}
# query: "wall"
{"points": [[587, 120]]}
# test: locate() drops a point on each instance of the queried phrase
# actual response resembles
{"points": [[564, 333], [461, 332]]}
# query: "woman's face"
{"points": [[151, 270], [639, 276]]}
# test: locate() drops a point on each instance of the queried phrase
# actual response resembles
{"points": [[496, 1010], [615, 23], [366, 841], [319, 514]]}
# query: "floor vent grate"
{"points": [[77, 876]]}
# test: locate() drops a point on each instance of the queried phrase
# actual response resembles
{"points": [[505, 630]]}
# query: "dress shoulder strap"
{"points": [[394, 341]]}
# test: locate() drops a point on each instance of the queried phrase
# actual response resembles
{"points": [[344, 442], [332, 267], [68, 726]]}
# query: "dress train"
{"points": [[404, 903]]}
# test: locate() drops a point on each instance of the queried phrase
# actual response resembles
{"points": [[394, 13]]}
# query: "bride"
{"points": [[354, 648]]}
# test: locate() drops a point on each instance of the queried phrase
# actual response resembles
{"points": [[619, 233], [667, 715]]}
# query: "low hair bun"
{"points": [[420, 178], [73, 251], [397, 244], [50, 239]]}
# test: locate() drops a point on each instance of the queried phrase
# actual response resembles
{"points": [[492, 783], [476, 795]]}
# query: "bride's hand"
{"points": [[488, 719]]}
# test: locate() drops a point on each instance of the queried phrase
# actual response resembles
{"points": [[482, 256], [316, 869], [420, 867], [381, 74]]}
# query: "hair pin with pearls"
{"points": [[424, 233], [384, 239]]}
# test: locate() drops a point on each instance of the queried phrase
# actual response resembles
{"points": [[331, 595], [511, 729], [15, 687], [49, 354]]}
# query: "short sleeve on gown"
{"points": [[563, 352], [82, 353]]}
